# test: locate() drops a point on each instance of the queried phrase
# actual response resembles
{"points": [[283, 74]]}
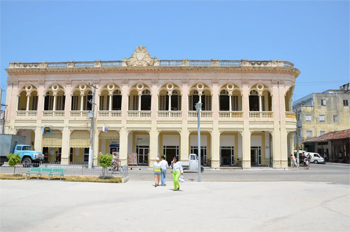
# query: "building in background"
{"points": [[148, 106], [320, 113], [339, 143]]}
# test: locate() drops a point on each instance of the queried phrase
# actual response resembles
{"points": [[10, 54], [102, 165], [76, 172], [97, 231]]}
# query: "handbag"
{"points": [[182, 178]]}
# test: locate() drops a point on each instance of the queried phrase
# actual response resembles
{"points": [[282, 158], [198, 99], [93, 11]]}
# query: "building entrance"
{"points": [[142, 154], [227, 155], [255, 157], [170, 152]]}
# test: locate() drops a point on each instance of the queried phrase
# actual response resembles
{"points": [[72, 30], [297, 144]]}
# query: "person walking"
{"points": [[177, 171], [294, 161], [163, 165], [157, 172]]}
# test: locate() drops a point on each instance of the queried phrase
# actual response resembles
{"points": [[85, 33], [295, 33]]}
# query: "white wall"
{"points": [[194, 140], [171, 140], [256, 141], [227, 140]]}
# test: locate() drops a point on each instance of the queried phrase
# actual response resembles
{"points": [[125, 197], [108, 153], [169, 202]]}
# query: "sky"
{"points": [[314, 35]]}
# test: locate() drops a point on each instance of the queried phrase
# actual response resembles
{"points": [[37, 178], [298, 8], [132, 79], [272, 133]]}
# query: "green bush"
{"points": [[14, 159], [105, 161]]}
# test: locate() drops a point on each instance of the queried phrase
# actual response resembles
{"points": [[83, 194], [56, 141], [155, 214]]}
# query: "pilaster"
{"points": [[215, 156], [38, 141], [246, 162], [153, 149], [123, 143], [65, 146], [184, 152]]}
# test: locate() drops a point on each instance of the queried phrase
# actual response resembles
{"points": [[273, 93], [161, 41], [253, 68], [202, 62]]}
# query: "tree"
{"points": [[105, 161], [14, 159]]}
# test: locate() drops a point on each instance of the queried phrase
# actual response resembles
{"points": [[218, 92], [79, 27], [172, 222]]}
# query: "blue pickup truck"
{"points": [[15, 144]]}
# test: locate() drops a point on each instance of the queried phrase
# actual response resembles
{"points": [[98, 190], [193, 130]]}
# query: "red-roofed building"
{"points": [[338, 141]]}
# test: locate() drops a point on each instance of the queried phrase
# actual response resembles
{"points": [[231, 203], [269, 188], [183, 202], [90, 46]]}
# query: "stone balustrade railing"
{"points": [[162, 63]]}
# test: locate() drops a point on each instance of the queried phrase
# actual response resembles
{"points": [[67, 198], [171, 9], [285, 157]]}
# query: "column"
{"points": [[81, 102], [184, 144], [110, 103], [40, 108], [169, 103], [153, 148], [154, 103], [215, 155], [123, 146], [96, 145], [184, 102], [139, 106], [38, 140], [125, 97], [54, 101], [65, 152], [260, 105], [230, 102], [68, 103], [246, 136], [28, 99]]}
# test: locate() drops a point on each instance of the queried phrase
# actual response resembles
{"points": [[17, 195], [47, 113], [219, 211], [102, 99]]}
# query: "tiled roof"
{"points": [[343, 134]]}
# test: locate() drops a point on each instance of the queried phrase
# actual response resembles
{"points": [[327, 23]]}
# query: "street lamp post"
{"points": [[198, 108], [92, 132]]}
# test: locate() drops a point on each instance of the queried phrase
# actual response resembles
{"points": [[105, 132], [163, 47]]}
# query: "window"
{"points": [[308, 118], [308, 134], [335, 118], [323, 102], [345, 103], [321, 117], [322, 132]]}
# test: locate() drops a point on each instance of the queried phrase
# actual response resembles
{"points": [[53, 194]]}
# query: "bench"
{"points": [[49, 171], [35, 171]]}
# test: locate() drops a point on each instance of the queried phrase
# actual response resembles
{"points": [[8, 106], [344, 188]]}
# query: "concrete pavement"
{"points": [[41, 205]]}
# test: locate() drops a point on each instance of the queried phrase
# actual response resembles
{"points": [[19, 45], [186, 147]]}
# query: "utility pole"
{"points": [[92, 131], [198, 108], [297, 144]]}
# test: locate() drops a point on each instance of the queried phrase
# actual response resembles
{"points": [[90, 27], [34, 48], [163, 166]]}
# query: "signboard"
{"points": [[46, 130]]}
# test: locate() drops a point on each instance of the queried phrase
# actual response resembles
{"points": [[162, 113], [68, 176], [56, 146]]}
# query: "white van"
{"points": [[314, 157]]}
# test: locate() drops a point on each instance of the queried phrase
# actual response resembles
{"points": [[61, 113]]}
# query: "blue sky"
{"points": [[314, 35]]}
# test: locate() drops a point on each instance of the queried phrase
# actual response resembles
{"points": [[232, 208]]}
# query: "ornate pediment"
{"points": [[140, 57]]}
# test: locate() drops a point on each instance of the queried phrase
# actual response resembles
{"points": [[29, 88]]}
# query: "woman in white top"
{"points": [[163, 165], [157, 171], [177, 171]]}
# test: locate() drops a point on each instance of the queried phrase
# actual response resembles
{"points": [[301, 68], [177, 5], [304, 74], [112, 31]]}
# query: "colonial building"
{"points": [[320, 113], [148, 106]]}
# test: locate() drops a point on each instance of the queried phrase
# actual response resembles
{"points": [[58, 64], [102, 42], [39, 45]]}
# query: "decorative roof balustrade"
{"points": [[162, 63]]}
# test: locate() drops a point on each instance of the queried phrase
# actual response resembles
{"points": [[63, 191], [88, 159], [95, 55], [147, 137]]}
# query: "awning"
{"points": [[52, 140], [109, 135], [80, 139]]}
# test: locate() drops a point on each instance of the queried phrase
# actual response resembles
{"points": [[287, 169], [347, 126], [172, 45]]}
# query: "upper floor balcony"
{"points": [[160, 115]]}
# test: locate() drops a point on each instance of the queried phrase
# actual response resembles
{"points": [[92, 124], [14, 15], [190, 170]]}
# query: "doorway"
{"points": [[227, 155], [170, 152], [142, 153], [255, 155]]}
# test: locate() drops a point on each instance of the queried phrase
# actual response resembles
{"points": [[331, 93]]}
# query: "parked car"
{"points": [[314, 157]]}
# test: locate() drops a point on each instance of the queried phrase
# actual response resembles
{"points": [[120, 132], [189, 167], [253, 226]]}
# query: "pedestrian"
{"points": [[177, 171], [114, 161], [157, 171], [163, 165], [294, 161], [325, 156], [56, 156]]}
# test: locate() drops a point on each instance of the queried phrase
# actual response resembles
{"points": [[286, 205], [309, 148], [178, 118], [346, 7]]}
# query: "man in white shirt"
{"points": [[163, 165]]}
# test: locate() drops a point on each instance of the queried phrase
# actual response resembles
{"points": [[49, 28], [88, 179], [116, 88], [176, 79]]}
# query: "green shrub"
{"points": [[14, 159], [105, 161]]}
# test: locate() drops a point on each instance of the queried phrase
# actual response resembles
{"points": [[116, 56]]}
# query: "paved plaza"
{"points": [[263, 205]]}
